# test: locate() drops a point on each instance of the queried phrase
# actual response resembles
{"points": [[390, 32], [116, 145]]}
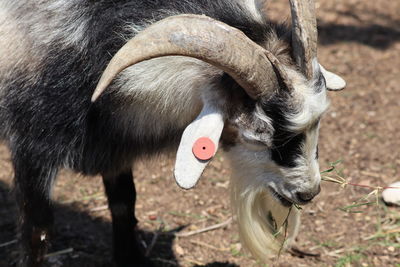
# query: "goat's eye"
{"points": [[317, 153]]}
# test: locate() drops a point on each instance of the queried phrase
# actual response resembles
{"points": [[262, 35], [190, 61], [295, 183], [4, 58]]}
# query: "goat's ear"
{"points": [[333, 81], [198, 145]]}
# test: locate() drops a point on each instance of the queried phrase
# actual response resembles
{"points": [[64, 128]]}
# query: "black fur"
{"points": [[286, 145]]}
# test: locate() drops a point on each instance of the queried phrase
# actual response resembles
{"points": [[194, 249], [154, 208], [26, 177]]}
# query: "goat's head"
{"points": [[271, 127]]}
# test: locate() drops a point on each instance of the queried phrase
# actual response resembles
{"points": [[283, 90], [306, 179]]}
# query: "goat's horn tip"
{"points": [[95, 96]]}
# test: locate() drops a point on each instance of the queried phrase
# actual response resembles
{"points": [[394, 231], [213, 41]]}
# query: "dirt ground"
{"points": [[359, 39]]}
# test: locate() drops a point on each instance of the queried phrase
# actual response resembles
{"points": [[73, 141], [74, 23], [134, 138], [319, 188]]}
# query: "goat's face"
{"points": [[273, 146], [276, 140]]}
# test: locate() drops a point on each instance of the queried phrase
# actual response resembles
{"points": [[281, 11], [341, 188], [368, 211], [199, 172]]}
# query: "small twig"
{"points": [[336, 253], [194, 261], [8, 243], [61, 252], [154, 240], [382, 234], [101, 208], [340, 181], [392, 231], [209, 228], [285, 224], [372, 174], [166, 261], [152, 244], [343, 182], [208, 246], [96, 196]]}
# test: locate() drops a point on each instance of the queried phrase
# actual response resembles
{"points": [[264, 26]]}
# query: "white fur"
{"points": [[253, 204], [312, 105]]}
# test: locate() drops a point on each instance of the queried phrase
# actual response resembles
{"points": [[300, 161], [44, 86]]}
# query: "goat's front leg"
{"points": [[121, 193], [32, 188]]}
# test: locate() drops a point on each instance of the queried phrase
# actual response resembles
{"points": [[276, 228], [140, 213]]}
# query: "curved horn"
{"points": [[304, 34], [203, 38]]}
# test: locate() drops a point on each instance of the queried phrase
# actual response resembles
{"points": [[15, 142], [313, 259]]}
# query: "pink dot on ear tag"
{"points": [[203, 148]]}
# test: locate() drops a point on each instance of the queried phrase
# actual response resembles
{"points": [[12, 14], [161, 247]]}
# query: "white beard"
{"points": [[261, 218]]}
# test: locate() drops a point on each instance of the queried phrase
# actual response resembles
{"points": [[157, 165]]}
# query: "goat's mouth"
{"points": [[282, 199]]}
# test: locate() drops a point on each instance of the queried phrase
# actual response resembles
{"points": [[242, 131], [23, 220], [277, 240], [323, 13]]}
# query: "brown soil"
{"points": [[359, 39]]}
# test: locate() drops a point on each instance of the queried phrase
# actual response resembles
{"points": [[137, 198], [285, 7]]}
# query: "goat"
{"points": [[174, 72]]}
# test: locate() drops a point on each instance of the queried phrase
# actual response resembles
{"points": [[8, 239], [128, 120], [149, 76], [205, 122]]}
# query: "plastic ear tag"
{"points": [[198, 145], [203, 148]]}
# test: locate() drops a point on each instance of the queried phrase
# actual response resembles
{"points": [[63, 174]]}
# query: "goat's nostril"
{"points": [[306, 196]]}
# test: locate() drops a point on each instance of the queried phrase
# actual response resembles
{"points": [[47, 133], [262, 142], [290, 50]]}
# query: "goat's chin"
{"points": [[261, 218]]}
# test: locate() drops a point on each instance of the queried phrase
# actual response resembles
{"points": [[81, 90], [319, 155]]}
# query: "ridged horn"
{"points": [[304, 34], [203, 38]]}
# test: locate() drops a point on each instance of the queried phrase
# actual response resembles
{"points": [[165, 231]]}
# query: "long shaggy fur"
{"points": [[265, 225]]}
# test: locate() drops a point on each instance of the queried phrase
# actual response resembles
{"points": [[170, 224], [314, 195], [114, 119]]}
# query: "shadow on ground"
{"points": [[87, 236], [376, 36], [374, 29]]}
